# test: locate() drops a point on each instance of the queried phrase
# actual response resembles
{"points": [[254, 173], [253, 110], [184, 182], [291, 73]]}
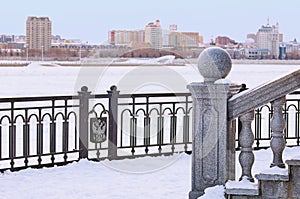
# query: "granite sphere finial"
{"points": [[214, 63]]}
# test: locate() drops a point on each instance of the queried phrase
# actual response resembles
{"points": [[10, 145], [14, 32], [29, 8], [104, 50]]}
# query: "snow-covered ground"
{"points": [[160, 177], [93, 180]]}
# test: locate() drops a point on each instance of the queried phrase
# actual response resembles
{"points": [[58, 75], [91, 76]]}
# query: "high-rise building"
{"points": [[185, 39], [251, 36], [126, 37], [38, 32], [224, 41], [190, 39], [268, 37], [153, 35]]}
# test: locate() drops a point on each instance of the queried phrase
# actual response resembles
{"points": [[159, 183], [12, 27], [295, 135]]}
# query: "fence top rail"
{"points": [[295, 93], [155, 103], [256, 97], [40, 98], [97, 96], [140, 95]]}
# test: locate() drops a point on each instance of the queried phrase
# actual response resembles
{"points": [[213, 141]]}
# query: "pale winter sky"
{"points": [[90, 20]]}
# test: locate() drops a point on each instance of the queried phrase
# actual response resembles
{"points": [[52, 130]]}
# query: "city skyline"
{"points": [[92, 21]]}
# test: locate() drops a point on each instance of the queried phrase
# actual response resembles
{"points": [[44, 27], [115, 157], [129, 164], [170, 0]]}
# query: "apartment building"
{"points": [[268, 37], [126, 37], [185, 39], [38, 32], [153, 35]]}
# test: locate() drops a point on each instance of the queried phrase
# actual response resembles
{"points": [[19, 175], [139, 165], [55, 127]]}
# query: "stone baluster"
{"points": [[277, 127], [246, 140]]}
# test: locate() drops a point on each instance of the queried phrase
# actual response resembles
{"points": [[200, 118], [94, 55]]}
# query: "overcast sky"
{"points": [[90, 20]]}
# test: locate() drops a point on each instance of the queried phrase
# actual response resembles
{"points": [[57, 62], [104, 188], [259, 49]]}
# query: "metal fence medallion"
{"points": [[98, 129]]}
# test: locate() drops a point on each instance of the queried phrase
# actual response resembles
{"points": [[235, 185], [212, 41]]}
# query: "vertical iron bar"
{"points": [[12, 144], [285, 116], [270, 117], [12, 138], [133, 123], [297, 123], [26, 139], [186, 125], [0, 141], [113, 123], [52, 133], [160, 129], [66, 132], [173, 132], [84, 96], [147, 133], [173, 128], [39, 142], [147, 127], [65, 136], [186, 120], [121, 136], [257, 128], [52, 138], [65, 139], [98, 150]]}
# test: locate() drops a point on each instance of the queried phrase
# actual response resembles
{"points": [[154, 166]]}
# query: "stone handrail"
{"points": [[259, 96]]}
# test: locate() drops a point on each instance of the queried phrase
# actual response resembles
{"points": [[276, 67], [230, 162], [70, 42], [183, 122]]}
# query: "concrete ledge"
{"points": [[293, 162], [272, 177], [273, 174], [242, 192]]}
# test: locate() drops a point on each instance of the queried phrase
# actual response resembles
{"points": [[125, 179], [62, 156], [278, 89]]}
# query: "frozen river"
{"points": [[91, 180], [36, 80]]}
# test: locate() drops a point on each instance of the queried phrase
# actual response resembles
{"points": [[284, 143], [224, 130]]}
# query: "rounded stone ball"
{"points": [[214, 63]]}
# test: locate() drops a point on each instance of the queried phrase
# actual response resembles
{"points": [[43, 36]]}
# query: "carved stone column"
{"points": [[246, 140], [277, 127], [213, 157]]}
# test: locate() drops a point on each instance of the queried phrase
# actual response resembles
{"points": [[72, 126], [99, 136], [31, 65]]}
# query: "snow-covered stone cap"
{"points": [[214, 63]]}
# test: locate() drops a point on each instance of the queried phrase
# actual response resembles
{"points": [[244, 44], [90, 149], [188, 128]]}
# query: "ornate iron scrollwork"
{"points": [[98, 129]]}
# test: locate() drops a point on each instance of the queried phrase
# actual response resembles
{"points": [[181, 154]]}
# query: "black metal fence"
{"points": [[56, 130], [262, 122], [47, 131], [38, 131], [139, 124]]}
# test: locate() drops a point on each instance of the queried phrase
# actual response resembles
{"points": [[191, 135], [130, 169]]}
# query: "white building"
{"points": [[153, 35], [268, 37]]}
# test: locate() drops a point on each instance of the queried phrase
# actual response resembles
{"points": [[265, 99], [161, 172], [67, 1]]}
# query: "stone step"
{"points": [[274, 183], [243, 189], [294, 170]]}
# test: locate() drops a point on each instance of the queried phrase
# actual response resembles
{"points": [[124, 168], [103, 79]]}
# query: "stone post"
{"points": [[113, 123], [213, 157], [84, 96]]}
